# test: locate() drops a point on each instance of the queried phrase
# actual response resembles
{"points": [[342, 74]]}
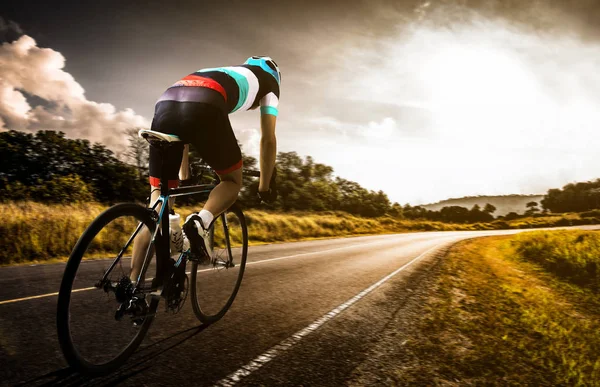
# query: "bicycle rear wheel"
{"points": [[215, 284], [98, 325]]}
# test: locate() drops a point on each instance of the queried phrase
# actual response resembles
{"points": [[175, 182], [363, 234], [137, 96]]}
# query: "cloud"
{"points": [[476, 106], [249, 138], [382, 129], [36, 93]]}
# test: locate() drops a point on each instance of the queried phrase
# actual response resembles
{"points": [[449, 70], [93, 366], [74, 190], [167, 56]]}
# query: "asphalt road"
{"points": [[306, 314]]}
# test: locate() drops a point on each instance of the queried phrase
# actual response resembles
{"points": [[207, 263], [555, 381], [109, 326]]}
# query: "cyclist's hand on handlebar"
{"points": [[268, 196], [271, 195]]}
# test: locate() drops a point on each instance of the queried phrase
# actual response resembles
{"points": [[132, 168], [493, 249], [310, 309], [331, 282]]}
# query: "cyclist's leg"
{"points": [[166, 120], [141, 242], [224, 194], [218, 147]]}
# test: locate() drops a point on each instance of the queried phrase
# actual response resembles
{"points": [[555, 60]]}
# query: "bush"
{"points": [[571, 255], [501, 225], [512, 216], [59, 189], [590, 214], [63, 189], [33, 231]]}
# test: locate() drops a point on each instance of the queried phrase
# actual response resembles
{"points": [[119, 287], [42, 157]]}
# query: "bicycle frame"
{"points": [[162, 221]]}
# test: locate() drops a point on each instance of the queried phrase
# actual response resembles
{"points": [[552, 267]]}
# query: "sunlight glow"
{"points": [[482, 108]]}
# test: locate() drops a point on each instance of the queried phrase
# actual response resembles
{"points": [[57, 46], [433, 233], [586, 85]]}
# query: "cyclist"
{"points": [[196, 109]]}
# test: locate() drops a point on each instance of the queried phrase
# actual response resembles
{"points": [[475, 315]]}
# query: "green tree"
{"points": [[512, 216], [33, 160], [455, 214], [34, 163], [414, 212], [396, 211], [489, 209], [477, 215], [532, 208], [577, 197], [62, 189]]}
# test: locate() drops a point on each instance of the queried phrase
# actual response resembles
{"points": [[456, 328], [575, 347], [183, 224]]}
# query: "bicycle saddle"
{"points": [[148, 135]]}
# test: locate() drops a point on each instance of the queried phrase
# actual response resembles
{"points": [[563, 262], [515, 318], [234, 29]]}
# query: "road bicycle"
{"points": [[102, 316]]}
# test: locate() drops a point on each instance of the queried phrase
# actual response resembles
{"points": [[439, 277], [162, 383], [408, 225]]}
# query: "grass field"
{"points": [[570, 255], [502, 314]]}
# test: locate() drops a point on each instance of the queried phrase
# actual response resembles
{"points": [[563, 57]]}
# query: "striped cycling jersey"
{"points": [[243, 87]]}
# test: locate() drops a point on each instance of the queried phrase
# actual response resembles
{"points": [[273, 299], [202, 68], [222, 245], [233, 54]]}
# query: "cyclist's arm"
{"points": [[268, 143], [184, 170], [268, 150]]}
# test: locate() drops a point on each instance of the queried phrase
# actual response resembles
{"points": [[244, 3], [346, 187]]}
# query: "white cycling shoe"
{"points": [[198, 236]]}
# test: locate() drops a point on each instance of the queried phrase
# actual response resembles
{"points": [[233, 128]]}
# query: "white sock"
{"points": [[206, 217]]}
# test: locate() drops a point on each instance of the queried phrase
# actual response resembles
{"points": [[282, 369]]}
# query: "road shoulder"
{"points": [[484, 317]]}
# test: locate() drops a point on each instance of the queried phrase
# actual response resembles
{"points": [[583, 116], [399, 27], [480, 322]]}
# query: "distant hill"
{"points": [[504, 204]]}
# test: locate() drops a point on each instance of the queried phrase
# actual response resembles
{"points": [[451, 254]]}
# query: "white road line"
{"points": [[199, 271], [41, 296], [311, 253], [286, 344]]}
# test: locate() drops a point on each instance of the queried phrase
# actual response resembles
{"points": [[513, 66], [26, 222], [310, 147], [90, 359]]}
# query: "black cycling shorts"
{"points": [[205, 125]]}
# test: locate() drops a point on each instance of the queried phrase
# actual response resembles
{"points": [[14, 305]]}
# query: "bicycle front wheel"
{"points": [[99, 320], [215, 283]]}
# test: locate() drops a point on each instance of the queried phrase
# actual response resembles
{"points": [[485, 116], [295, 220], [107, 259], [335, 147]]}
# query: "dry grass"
{"points": [[571, 255], [497, 320], [554, 220], [34, 232]]}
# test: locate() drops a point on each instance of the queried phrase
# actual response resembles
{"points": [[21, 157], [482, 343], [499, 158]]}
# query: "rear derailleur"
{"points": [[132, 305]]}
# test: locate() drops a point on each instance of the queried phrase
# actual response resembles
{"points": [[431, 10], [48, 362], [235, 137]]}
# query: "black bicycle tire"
{"points": [[70, 353], [194, 299]]}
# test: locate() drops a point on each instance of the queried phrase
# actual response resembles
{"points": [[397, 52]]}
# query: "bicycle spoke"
{"points": [[121, 252]]}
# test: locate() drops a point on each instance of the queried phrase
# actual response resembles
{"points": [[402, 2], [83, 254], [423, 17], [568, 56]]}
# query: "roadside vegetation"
{"points": [[573, 256], [514, 310], [52, 187], [47, 167], [36, 232]]}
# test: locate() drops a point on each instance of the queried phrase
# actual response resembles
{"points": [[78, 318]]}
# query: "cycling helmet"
{"points": [[267, 64]]}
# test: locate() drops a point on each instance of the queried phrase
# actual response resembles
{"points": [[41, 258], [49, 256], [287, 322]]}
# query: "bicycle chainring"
{"points": [[176, 289], [176, 300]]}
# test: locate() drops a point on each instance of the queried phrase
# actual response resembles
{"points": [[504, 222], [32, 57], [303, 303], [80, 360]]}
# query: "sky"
{"points": [[425, 100]]}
